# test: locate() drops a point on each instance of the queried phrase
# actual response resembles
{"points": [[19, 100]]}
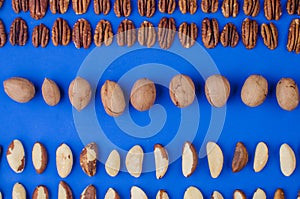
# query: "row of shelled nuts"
{"points": [[134, 159], [143, 92]]}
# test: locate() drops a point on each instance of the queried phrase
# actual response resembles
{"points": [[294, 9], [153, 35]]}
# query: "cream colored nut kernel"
{"points": [[134, 161], [215, 159], [15, 156], [50, 92], [80, 93], [19, 89], [162, 194], [143, 94], [189, 159], [0, 195], [88, 159], [161, 160], [182, 90], [216, 195], [40, 192], [287, 94], [111, 194], [137, 193], [254, 90], [259, 194], [89, 193], [19, 191], [217, 90], [113, 163], [239, 194], [287, 160], [64, 191], [113, 99], [192, 193], [64, 160], [261, 156], [39, 157]]}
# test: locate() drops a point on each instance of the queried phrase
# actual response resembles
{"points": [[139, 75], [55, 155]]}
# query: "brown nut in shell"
{"points": [[287, 94], [19, 89], [80, 93], [50, 92], [88, 159], [217, 90], [240, 158]]}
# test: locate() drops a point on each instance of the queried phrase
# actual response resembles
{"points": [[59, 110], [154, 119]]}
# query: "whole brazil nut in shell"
{"points": [[88, 159], [80, 93], [15, 156], [50, 92], [287, 94], [39, 157], [182, 90], [217, 90], [64, 160], [64, 191], [40, 192]]}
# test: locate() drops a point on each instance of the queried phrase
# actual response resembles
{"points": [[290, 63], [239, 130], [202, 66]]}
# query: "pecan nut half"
{"points": [[209, 6], [229, 36], [210, 32], [166, 32], [103, 33], [146, 7], [61, 32], [59, 6], [80, 6], [272, 9], [293, 43], [230, 8], [82, 34], [20, 5], [122, 8], [1, 3], [101, 6], [126, 33], [40, 36], [147, 34], [249, 33], [167, 6], [293, 7], [269, 34], [2, 34], [188, 34], [38, 8], [18, 34], [251, 7], [188, 6]]}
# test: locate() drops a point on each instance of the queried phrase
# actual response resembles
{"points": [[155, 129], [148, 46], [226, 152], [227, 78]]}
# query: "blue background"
{"points": [[35, 121]]}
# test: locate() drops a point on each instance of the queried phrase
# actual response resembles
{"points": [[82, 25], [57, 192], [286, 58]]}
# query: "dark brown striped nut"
{"points": [[40, 192], [1, 3], [249, 33], [89, 193], [18, 34], [166, 32], [2, 34], [188, 6], [88, 159], [188, 34], [269, 34], [287, 94], [61, 32], [146, 34], [293, 7], [293, 43], [229, 36], [39, 157], [146, 7], [126, 33], [272, 9], [230, 8], [80, 6], [64, 191], [167, 6], [38, 8], [209, 6], [240, 157], [103, 33], [251, 7], [122, 8], [59, 6], [50, 92], [20, 5], [210, 32], [82, 34], [101, 6], [40, 36], [279, 194]]}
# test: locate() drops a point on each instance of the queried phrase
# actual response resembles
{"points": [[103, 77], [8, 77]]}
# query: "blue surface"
{"points": [[35, 121]]}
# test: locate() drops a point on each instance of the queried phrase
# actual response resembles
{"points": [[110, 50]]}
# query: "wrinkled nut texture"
{"points": [[50, 92], [40, 36], [147, 34], [38, 8], [134, 161], [39, 157], [111, 194], [229, 36], [61, 32], [287, 160], [103, 33], [287, 94], [209, 6], [59, 6], [137, 193], [64, 191], [122, 8], [19, 191], [188, 6], [101, 6], [15, 156], [113, 163], [215, 159], [88, 159], [192, 193], [126, 33], [89, 193], [210, 32], [216, 195], [279, 194], [113, 99], [189, 159], [251, 7], [254, 90], [64, 160], [161, 160], [249, 33], [82, 34], [269, 34], [230, 8], [80, 6], [2, 34], [166, 32], [80, 93], [188, 34], [259, 194], [146, 7], [272, 9], [40, 192], [239, 194], [182, 90], [18, 34], [293, 7], [19, 89], [240, 157], [162, 194], [293, 43], [167, 6], [261, 157], [143, 94], [217, 90]]}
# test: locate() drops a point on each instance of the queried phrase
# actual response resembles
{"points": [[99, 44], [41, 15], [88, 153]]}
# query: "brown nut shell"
{"points": [[287, 94]]}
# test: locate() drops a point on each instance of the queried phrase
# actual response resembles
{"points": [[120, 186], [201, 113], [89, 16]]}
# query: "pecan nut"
{"points": [[61, 32], [293, 43], [269, 34], [230, 8], [249, 33], [209, 6], [38, 8], [189, 6], [122, 8], [210, 32], [40, 36], [126, 33], [166, 32], [103, 33], [59, 6], [20, 5], [188, 34], [82, 34], [167, 6], [229, 36], [146, 7], [1, 3], [101, 6], [251, 7], [80, 6], [2, 34], [18, 34], [272, 9], [146, 34], [293, 7]]}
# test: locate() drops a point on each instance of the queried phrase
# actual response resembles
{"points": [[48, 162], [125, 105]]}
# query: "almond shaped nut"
{"points": [[239, 194], [279, 194], [215, 159], [217, 90], [161, 160], [64, 160], [287, 94], [162, 194], [39, 157], [254, 90], [50, 92], [259, 194], [137, 193], [287, 160], [15, 156], [216, 195], [113, 163], [0, 195], [88, 159], [89, 193], [261, 156], [111, 194], [19, 191], [113, 99], [40, 192], [134, 161], [240, 157], [19, 89], [80, 93], [182, 90], [64, 191], [143, 94], [192, 193], [189, 159]]}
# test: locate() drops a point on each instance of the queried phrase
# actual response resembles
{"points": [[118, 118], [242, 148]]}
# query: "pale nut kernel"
{"points": [[287, 94], [15, 156], [216, 195], [64, 160], [287, 160], [259, 194], [80, 93], [161, 159], [261, 157], [111, 194], [19, 191], [162, 194], [137, 193], [64, 191], [113, 163], [88, 159], [39, 157], [215, 159], [40, 192], [189, 159], [192, 193], [50, 92], [217, 90], [239, 194], [134, 161]]}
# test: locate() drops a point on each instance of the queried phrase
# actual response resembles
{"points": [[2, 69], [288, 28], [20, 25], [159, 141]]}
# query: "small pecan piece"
{"points": [[229, 36], [126, 33], [101, 6], [188, 6], [80, 6], [210, 32], [167, 6], [188, 34], [293, 43], [40, 36], [251, 7], [122, 8], [269, 34], [249, 33], [272, 9], [18, 34], [61, 32], [82, 34], [20, 5], [146, 7], [230, 8], [166, 32], [209, 6], [103, 33], [146, 34], [38, 8], [59, 6], [293, 7], [2, 34]]}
